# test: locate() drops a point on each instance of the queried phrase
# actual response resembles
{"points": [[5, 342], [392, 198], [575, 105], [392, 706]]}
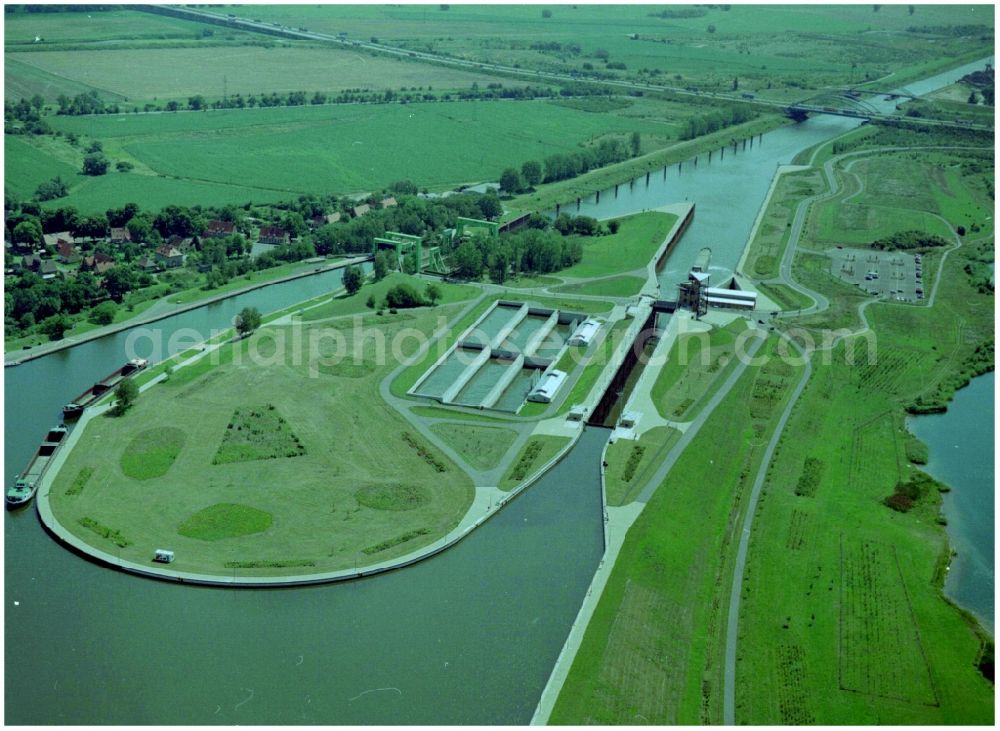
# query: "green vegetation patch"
{"points": [[225, 520], [353, 304], [425, 454], [392, 542], [80, 481], [876, 623], [102, 530], [281, 564], [624, 286], [152, 452], [655, 643], [630, 464], [694, 368], [632, 247], [812, 473], [534, 454], [257, 433], [481, 446], [393, 496]]}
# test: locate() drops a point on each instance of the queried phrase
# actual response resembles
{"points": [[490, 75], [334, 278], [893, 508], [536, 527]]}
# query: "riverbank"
{"points": [[566, 192], [17, 357], [960, 446]]}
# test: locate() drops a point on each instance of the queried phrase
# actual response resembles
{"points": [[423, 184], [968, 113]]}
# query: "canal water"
{"points": [[961, 443], [469, 636]]}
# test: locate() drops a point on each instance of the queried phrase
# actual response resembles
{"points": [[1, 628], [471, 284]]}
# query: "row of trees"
{"points": [[91, 103], [538, 251], [703, 124], [563, 166]]}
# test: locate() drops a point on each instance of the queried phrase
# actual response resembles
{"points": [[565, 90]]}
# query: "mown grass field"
{"points": [[342, 436], [768, 245], [887, 194], [631, 463], [535, 453], [483, 447], [653, 649], [826, 602], [696, 365], [632, 247], [611, 287], [201, 157], [345, 304]]}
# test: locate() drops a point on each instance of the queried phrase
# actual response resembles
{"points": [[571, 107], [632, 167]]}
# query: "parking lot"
{"points": [[891, 274]]}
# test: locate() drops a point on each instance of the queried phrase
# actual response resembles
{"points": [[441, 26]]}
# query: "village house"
{"points": [[216, 229], [389, 202], [66, 252], [183, 245], [99, 263], [274, 235], [359, 211], [52, 240], [147, 264], [47, 269], [169, 256], [120, 235]]}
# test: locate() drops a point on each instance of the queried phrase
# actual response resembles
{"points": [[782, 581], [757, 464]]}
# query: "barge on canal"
{"points": [[27, 482], [73, 409]]}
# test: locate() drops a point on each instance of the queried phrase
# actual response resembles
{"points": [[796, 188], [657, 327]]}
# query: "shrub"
{"points": [[104, 313], [403, 296], [633, 462], [51, 189], [899, 502]]}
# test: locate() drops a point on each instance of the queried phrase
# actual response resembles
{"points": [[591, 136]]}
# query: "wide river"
{"points": [[469, 636]]}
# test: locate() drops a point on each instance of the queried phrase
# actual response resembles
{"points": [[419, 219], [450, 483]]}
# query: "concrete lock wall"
{"points": [[465, 376], [502, 383]]}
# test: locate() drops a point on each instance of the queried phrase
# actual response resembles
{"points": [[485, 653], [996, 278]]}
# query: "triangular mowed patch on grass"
{"points": [[258, 432]]}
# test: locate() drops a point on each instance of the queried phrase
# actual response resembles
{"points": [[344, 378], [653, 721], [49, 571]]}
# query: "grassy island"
{"points": [[259, 463]]}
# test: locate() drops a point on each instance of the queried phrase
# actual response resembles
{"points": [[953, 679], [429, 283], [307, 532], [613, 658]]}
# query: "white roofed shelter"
{"points": [[547, 387]]}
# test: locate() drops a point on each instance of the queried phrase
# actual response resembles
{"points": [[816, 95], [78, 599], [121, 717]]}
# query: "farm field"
{"points": [[199, 157], [653, 649], [263, 438], [20, 29], [178, 73], [820, 44]]}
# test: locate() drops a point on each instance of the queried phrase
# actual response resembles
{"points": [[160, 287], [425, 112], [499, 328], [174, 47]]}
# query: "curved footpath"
{"points": [[618, 520], [487, 501], [17, 357], [821, 303]]}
